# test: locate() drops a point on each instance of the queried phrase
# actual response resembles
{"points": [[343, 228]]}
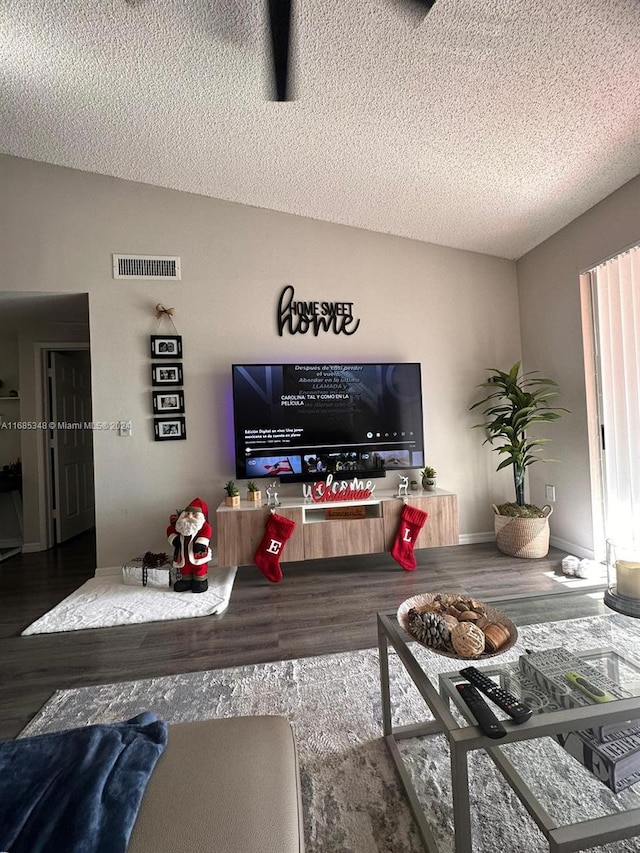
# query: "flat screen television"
{"points": [[301, 422]]}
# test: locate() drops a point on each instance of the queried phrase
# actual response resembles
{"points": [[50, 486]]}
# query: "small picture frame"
{"points": [[166, 374], [166, 346], [169, 402], [170, 429]]}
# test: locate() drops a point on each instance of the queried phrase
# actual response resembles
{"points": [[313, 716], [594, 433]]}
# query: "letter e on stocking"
{"points": [[274, 547]]}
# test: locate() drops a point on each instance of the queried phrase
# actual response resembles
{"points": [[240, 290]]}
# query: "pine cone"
{"points": [[429, 628]]}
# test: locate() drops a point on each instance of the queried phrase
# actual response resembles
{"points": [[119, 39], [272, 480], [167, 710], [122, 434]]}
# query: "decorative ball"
{"points": [[495, 636], [450, 621], [468, 616], [467, 640]]}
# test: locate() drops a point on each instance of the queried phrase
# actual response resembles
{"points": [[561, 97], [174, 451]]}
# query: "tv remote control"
{"points": [[592, 691], [487, 720], [510, 704]]}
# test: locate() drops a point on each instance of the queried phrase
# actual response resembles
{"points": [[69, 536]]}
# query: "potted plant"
{"points": [[232, 498], [253, 492], [428, 478], [515, 403]]}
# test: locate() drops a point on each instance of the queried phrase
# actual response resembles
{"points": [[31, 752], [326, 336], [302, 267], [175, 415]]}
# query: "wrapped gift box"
{"points": [[135, 573]]}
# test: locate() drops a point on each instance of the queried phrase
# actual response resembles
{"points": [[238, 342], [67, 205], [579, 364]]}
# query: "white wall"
{"points": [[548, 284], [455, 312]]}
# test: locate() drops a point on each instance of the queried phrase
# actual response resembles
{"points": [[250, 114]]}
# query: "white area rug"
{"points": [[105, 601], [352, 800]]}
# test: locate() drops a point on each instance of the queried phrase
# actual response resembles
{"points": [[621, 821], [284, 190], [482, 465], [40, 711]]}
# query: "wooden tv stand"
{"points": [[240, 529]]}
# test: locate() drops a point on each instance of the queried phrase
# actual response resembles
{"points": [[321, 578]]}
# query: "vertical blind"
{"points": [[616, 301]]}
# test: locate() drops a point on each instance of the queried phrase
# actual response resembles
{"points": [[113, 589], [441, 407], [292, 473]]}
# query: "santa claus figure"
{"points": [[189, 533]]}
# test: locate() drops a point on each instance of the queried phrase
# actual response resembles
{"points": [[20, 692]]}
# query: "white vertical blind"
{"points": [[616, 297]]}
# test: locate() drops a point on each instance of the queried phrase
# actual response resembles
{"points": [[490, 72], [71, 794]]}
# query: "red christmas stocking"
{"points": [[411, 523], [267, 558]]}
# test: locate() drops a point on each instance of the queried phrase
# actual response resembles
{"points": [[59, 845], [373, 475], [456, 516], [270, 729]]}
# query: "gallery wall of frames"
{"points": [[168, 393]]}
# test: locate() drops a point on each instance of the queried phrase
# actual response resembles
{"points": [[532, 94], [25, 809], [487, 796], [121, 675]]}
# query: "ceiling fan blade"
{"points": [[280, 22]]}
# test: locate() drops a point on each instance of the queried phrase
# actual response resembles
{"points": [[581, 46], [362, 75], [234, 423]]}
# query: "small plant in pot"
{"points": [[515, 403], [428, 479], [232, 498], [253, 492]]}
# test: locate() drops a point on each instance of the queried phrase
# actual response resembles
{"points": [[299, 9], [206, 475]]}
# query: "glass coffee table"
{"points": [[528, 757]]}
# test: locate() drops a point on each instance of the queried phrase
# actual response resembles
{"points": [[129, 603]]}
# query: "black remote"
{"points": [[487, 720], [510, 704]]}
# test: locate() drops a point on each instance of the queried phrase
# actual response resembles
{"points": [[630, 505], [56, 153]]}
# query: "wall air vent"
{"points": [[146, 266]]}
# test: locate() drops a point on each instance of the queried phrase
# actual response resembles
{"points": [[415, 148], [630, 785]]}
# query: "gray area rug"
{"points": [[353, 802]]}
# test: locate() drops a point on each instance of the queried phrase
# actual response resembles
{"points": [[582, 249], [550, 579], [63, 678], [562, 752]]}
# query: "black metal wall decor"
{"points": [[300, 317], [168, 402]]}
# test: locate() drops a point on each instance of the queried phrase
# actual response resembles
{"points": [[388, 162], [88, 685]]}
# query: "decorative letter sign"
{"points": [[298, 318], [330, 492]]}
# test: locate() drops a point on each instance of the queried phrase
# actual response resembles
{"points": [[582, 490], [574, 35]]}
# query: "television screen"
{"points": [[304, 421]]}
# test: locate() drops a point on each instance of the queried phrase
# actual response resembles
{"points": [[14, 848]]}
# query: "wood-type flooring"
{"points": [[320, 607]]}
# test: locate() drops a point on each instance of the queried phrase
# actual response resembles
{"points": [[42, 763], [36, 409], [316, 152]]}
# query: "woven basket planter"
{"points": [[522, 537]]}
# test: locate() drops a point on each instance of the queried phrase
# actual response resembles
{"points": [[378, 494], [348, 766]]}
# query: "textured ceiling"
{"points": [[484, 125]]}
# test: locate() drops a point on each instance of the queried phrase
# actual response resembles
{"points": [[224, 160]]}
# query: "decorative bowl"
{"points": [[425, 600]]}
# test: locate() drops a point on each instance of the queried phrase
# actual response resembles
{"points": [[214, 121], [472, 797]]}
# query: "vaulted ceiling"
{"points": [[483, 124]]}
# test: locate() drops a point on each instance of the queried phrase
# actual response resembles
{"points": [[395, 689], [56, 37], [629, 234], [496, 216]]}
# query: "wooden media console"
{"points": [[337, 529]]}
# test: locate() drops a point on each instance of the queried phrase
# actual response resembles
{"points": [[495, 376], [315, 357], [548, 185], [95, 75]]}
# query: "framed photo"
{"points": [[166, 374], [166, 346], [170, 429], [168, 402]]}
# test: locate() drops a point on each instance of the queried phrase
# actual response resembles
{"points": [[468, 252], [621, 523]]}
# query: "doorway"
{"points": [[70, 480]]}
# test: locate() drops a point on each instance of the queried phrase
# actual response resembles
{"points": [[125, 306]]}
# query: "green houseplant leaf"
{"points": [[516, 401]]}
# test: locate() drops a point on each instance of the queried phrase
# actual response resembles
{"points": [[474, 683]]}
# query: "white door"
{"points": [[71, 445]]}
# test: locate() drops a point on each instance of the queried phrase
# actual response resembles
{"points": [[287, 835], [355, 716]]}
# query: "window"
{"points": [[614, 290]]}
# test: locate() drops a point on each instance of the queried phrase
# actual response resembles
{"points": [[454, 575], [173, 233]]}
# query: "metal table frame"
{"points": [[464, 739]]}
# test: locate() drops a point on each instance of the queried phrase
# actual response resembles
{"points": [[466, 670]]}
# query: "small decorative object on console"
{"points": [[476, 630], [428, 478], [253, 492], [272, 495], [233, 495]]}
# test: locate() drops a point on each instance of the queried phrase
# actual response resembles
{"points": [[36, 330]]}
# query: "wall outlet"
{"points": [[550, 493]]}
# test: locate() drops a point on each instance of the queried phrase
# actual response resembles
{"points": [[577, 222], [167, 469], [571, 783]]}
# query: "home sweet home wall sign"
{"points": [[299, 317]]}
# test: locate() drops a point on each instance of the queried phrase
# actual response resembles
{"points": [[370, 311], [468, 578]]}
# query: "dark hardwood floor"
{"points": [[320, 607]]}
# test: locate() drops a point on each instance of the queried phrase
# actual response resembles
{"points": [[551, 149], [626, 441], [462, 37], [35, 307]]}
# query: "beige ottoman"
{"points": [[229, 785]]}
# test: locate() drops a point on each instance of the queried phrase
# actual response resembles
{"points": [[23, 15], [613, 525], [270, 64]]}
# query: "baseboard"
{"points": [[476, 538], [554, 541], [32, 547], [570, 548]]}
